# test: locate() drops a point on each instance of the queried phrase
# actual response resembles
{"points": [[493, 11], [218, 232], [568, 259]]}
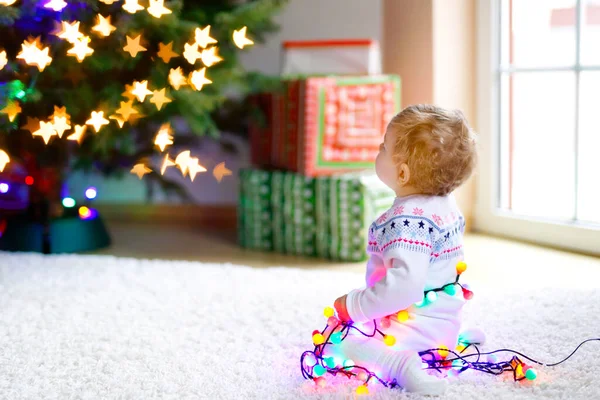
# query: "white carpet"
{"points": [[74, 327]]}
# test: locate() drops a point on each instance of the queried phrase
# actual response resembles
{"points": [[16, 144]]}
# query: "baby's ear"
{"points": [[403, 174]]}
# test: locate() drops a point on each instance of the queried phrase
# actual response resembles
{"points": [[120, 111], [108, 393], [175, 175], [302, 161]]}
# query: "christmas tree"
{"points": [[94, 84]]}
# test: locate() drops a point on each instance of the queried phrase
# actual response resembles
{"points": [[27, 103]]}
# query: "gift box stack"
{"points": [[312, 190]]}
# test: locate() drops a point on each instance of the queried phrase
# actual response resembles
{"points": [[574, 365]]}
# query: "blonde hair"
{"points": [[438, 146]]}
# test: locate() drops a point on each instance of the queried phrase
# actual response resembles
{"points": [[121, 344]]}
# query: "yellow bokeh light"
{"points": [[240, 39], [103, 26], [157, 8], [97, 120], [4, 160]]}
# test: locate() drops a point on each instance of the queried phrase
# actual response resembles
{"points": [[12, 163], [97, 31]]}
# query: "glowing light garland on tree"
{"points": [[314, 365], [34, 53]]}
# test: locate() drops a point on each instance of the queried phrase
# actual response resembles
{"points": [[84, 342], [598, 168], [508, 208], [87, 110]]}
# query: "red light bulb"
{"points": [[467, 294]]}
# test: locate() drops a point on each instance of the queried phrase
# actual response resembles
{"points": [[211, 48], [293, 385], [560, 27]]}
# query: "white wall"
{"points": [[301, 20]]}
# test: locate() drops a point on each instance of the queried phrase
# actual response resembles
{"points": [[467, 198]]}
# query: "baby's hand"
{"points": [[340, 307]]}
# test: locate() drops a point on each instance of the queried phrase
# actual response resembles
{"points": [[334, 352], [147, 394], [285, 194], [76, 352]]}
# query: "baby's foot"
{"points": [[416, 379], [472, 336]]}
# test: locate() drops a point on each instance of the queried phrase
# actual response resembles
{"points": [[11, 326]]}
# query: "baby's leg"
{"points": [[387, 363]]}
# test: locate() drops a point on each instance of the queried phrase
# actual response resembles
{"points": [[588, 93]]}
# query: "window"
{"points": [[539, 95]]}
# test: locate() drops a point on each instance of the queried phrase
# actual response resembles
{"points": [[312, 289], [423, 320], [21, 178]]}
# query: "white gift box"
{"points": [[325, 57]]}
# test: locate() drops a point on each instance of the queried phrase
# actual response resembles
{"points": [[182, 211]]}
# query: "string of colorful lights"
{"points": [[314, 365]]}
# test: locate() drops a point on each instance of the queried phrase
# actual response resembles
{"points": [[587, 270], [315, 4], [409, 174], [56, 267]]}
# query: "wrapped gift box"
{"points": [[327, 57], [326, 125], [327, 217], [255, 230]]}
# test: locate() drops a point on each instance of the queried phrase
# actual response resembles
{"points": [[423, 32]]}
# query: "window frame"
{"points": [[489, 217]]}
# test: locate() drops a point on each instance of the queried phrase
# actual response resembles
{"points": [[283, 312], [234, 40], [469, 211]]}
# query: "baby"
{"points": [[427, 153]]}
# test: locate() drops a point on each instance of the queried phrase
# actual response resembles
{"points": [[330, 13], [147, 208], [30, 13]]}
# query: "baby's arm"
{"points": [[402, 286]]}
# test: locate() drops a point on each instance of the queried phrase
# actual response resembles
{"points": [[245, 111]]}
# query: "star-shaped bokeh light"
{"points": [[4, 160], [182, 160], [34, 54], [157, 8], [165, 52], [103, 26], [56, 5], [176, 78], [69, 31], [191, 53], [126, 110], [198, 79], [220, 171], [133, 46], [163, 137], [167, 162], [159, 98], [60, 125], [3, 59], [46, 131], [80, 49], [140, 170], [132, 6], [12, 109], [240, 39], [140, 90], [210, 57], [97, 120], [194, 167], [203, 38]]}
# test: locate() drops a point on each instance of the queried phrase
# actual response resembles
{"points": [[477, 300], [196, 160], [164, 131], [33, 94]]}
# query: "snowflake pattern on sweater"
{"points": [[418, 231]]}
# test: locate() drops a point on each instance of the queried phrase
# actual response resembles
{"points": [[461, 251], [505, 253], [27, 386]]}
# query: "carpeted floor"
{"points": [[91, 327]]}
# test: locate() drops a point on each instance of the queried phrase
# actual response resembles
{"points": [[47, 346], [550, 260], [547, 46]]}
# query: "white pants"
{"points": [[420, 332]]}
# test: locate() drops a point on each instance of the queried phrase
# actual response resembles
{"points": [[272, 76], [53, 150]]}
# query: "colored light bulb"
{"points": [[319, 370], [330, 362], [457, 364], [519, 370], [443, 351], [363, 376], [310, 360], [315, 332], [318, 339], [91, 193], [336, 338], [403, 316], [348, 363], [531, 374], [4, 187], [492, 358], [460, 348], [320, 382], [332, 322], [420, 303], [461, 267], [68, 202], [29, 180], [450, 290], [362, 389], [389, 340], [385, 323], [84, 212], [329, 312], [467, 294], [431, 296]]}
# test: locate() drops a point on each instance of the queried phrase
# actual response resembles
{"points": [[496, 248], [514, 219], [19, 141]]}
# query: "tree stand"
{"points": [[67, 234]]}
